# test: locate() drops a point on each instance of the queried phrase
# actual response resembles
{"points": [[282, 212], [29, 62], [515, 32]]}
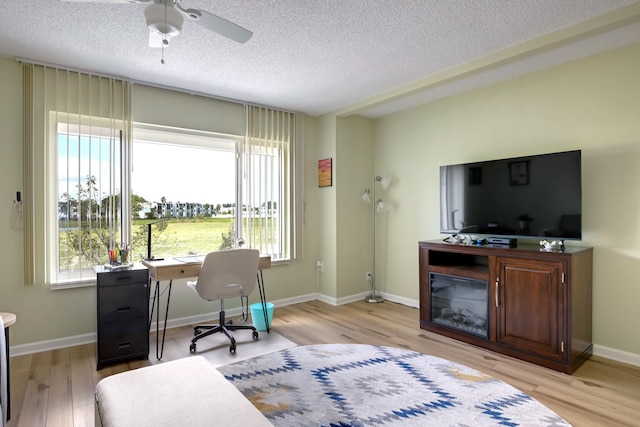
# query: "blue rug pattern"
{"points": [[340, 385]]}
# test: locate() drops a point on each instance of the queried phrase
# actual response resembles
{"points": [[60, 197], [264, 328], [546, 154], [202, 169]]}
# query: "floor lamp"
{"points": [[377, 205]]}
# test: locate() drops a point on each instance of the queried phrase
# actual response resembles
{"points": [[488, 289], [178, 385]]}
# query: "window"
{"points": [[183, 187], [88, 192], [90, 187], [198, 191]]}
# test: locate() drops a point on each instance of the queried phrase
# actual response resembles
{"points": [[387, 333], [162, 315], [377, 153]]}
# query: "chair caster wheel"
{"points": [[192, 348], [255, 335], [232, 349]]}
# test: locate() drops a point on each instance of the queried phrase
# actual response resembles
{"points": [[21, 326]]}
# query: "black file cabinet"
{"points": [[123, 315]]}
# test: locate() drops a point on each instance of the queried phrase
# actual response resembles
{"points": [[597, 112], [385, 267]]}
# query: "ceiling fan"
{"points": [[165, 18]]}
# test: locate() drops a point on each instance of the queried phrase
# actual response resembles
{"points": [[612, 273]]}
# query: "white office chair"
{"points": [[225, 274]]}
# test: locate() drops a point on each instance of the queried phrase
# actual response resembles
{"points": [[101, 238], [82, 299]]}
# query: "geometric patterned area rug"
{"points": [[363, 385]]}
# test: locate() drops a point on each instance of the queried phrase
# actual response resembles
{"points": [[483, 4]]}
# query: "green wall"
{"points": [[591, 104], [354, 161]]}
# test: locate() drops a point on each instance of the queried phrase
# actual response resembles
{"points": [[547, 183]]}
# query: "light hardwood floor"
{"points": [[55, 388]]}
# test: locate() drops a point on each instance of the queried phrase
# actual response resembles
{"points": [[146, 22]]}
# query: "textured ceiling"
{"points": [[367, 57]]}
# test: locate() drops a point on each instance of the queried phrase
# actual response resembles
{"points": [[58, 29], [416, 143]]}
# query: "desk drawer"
{"points": [[123, 302], [123, 339], [178, 272], [124, 277]]}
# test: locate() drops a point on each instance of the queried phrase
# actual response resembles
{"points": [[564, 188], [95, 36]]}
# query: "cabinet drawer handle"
{"points": [[124, 345], [497, 292], [121, 309], [123, 278]]}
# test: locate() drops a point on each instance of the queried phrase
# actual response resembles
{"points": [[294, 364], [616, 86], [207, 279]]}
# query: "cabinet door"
{"points": [[529, 299]]}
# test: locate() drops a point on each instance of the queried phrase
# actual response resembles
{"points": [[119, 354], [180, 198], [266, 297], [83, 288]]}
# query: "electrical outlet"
{"points": [[368, 276], [320, 266]]}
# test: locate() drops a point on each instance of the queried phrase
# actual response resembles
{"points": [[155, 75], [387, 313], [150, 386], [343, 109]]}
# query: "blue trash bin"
{"points": [[257, 315]]}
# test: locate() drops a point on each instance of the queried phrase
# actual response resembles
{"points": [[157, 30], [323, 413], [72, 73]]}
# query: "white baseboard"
{"points": [[36, 347], [22, 349], [402, 300], [361, 296], [617, 355]]}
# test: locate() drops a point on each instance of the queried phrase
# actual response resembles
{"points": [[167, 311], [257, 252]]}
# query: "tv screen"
{"points": [[536, 196]]}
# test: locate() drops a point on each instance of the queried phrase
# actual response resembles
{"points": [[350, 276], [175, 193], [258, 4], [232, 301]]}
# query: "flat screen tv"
{"points": [[537, 196]]}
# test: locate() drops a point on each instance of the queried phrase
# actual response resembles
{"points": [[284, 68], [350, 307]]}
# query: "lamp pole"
{"points": [[373, 297]]}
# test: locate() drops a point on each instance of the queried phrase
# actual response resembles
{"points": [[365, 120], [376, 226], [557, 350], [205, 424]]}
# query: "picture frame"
{"points": [[325, 173], [519, 173]]}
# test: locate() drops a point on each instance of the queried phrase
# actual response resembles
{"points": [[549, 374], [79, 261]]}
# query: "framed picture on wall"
{"points": [[519, 173], [325, 173]]}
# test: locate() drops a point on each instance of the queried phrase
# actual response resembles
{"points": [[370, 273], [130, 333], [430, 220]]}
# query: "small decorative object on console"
{"points": [[456, 238], [552, 246]]}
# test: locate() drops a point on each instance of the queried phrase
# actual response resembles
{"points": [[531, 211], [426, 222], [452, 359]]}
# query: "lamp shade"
{"points": [[163, 19], [381, 207], [385, 182]]}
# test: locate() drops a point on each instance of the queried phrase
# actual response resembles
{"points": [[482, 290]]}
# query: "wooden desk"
{"points": [[8, 319], [184, 268], [175, 268]]}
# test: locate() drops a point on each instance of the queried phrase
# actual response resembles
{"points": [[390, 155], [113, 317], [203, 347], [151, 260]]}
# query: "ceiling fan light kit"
{"points": [[164, 20]]}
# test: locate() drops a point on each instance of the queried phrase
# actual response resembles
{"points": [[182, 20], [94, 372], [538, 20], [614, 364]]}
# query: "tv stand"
{"points": [[518, 301]]}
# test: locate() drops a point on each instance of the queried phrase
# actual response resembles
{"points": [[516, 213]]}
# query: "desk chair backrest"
{"points": [[229, 273]]}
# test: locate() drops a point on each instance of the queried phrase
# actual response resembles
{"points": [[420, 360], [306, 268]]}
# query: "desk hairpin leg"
{"points": [[263, 299], [6, 341], [156, 304], [153, 303]]}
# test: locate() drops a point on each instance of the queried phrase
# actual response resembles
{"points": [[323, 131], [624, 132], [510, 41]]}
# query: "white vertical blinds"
{"points": [[28, 159], [269, 180], [76, 129]]}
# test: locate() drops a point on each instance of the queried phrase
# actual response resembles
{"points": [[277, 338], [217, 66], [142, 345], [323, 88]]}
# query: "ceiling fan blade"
{"points": [[107, 1], [219, 25]]}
